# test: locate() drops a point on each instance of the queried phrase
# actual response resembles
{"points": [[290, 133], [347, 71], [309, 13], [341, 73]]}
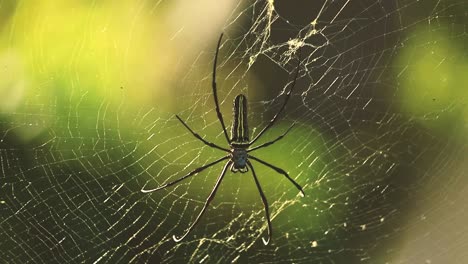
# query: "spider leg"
{"points": [[200, 138], [208, 201], [273, 141], [280, 171], [215, 92], [288, 95], [195, 171], [265, 204]]}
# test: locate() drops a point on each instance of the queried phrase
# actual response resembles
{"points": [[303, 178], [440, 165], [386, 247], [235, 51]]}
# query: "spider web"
{"points": [[379, 144]]}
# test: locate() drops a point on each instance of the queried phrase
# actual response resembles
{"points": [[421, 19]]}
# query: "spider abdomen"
{"points": [[240, 128]]}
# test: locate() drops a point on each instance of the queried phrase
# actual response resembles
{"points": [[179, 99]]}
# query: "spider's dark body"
{"points": [[239, 135], [238, 157], [239, 160], [240, 126]]}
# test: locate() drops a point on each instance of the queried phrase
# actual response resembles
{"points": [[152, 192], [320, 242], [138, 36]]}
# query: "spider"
{"points": [[239, 148]]}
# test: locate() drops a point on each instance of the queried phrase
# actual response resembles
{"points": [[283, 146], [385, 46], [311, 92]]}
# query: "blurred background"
{"points": [[88, 94]]}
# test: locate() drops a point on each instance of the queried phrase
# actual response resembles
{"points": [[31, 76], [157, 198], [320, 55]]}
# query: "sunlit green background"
{"points": [[88, 93]]}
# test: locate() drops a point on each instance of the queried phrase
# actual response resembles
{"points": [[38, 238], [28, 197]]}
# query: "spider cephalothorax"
{"points": [[239, 160], [239, 147]]}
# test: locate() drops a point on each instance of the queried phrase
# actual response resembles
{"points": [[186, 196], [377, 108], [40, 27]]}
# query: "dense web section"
{"points": [[384, 176]]}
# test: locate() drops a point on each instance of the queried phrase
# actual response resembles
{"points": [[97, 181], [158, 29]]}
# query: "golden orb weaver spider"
{"points": [[238, 154]]}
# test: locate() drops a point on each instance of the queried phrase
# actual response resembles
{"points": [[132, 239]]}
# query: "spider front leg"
{"points": [[265, 204], [195, 171], [208, 201], [280, 171]]}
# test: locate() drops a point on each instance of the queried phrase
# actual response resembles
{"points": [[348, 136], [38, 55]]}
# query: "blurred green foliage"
{"points": [[432, 73]]}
